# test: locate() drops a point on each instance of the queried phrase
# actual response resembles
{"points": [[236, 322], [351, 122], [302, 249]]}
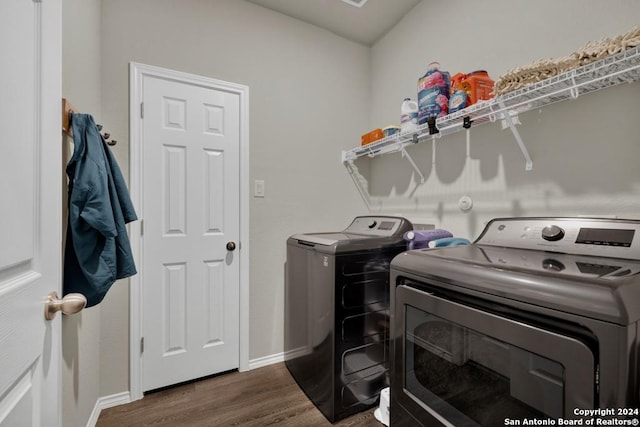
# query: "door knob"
{"points": [[231, 246], [70, 304]]}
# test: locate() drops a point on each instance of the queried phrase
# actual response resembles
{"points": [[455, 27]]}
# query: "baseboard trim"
{"points": [[261, 362], [125, 397], [107, 402]]}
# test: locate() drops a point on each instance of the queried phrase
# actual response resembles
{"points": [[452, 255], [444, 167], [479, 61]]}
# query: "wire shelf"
{"points": [[613, 70]]}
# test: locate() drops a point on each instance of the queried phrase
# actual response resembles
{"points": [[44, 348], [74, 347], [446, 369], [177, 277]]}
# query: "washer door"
{"points": [[465, 367]]}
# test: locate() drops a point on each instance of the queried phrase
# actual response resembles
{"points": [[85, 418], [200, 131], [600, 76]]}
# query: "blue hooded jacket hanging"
{"points": [[97, 250]]}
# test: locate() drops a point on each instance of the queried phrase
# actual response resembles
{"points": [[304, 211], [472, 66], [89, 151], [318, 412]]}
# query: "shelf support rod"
{"points": [[413, 164], [433, 153], [574, 87], [516, 135], [366, 198]]}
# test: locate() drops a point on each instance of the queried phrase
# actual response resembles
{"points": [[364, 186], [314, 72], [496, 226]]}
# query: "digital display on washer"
{"points": [[605, 236], [386, 225]]}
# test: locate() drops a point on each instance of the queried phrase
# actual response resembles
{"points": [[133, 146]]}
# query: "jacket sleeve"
{"points": [[121, 190], [94, 204]]}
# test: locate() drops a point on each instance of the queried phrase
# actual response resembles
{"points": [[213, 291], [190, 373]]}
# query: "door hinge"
{"points": [[141, 345], [142, 110], [141, 227]]}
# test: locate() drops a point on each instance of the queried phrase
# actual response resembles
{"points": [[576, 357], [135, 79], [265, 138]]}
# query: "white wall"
{"points": [[584, 151], [308, 101], [81, 75]]}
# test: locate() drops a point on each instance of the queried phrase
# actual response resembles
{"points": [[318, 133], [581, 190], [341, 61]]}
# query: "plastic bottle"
{"points": [[480, 86], [459, 97], [433, 93], [408, 115]]}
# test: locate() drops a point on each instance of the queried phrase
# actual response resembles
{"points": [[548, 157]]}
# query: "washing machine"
{"points": [[536, 322], [337, 312]]}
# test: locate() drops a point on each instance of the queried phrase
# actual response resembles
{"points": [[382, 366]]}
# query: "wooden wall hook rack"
{"points": [[67, 110]]}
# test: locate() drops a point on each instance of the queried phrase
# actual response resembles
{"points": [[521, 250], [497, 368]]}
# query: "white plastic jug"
{"points": [[408, 115], [382, 413]]}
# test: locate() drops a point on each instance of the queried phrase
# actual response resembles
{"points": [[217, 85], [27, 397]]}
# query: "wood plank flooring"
{"points": [[266, 396]]}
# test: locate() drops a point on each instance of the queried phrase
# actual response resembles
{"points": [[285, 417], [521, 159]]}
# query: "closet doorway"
{"points": [[189, 163]]}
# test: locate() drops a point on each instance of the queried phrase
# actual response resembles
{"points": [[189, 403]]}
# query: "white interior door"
{"points": [[30, 217], [190, 211]]}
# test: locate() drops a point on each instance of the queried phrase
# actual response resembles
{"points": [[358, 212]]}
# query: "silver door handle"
{"points": [[70, 304]]}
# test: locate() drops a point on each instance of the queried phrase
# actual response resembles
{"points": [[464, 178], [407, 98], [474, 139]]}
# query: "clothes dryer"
{"points": [[337, 312], [535, 323]]}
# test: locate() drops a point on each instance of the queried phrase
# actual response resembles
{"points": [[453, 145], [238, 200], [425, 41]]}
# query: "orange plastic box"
{"points": [[372, 136]]}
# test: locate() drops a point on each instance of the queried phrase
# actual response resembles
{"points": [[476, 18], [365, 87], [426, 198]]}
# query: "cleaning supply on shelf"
{"points": [[458, 98], [480, 86], [390, 130], [433, 93], [372, 136], [408, 115], [467, 89], [419, 239]]}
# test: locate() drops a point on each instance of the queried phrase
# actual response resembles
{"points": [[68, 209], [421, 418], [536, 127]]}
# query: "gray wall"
{"points": [[81, 333], [313, 94], [584, 151], [308, 101], [306, 104]]}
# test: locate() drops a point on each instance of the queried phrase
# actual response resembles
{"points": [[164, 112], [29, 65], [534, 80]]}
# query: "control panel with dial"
{"points": [[375, 225], [617, 238]]}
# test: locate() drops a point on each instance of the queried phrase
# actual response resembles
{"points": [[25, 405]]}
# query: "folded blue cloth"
{"points": [[451, 241]]}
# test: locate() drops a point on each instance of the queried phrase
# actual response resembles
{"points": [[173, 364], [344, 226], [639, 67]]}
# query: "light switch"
{"points": [[258, 188]]}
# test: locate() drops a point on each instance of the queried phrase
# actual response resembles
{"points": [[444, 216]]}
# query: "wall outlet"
{"points": [[465, 203]]}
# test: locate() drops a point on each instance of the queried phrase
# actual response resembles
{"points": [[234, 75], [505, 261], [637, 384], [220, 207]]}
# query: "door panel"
{"points": [[466, 366], [30, 220], [190, 197]]}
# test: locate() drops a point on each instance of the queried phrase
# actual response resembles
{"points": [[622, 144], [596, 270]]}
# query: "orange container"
{"points": [[456, 82], [372, 136], [478, 86]]}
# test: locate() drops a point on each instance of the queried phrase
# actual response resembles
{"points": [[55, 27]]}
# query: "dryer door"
{"points": [[463, 366]]}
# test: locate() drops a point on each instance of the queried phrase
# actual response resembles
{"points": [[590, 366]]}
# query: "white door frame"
{"points": [[136, 74]]}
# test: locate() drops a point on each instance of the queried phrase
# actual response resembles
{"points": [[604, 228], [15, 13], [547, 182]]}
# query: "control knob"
{"points": [[372, 223], [553, 265], [552, 233]]}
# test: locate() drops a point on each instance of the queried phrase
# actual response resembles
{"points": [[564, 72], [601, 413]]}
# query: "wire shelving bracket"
{"points": [[623, 67]]}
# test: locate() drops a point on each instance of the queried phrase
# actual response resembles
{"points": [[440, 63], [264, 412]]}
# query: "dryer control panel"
{"points": [[614, 238], [362, 228], [376, 225]]}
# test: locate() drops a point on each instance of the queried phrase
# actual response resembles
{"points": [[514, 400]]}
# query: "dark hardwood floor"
{"points": [[266, 396]]}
